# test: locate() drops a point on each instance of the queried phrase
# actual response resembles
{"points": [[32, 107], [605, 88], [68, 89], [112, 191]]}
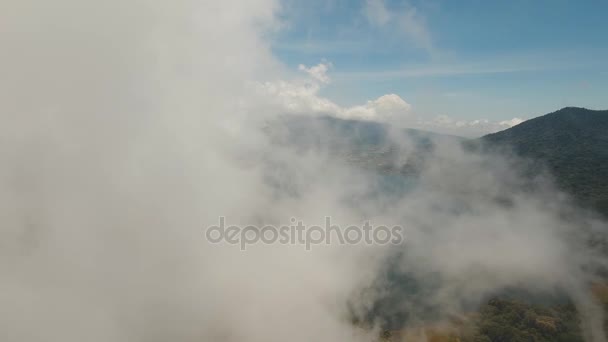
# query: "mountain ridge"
{"points": [[572, 143]]}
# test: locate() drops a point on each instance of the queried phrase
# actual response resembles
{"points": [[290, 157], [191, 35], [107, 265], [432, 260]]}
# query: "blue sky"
{"points": [[466, 59]]}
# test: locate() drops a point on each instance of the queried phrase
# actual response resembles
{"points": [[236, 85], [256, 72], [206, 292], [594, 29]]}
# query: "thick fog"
{"points": [[129, 127]]}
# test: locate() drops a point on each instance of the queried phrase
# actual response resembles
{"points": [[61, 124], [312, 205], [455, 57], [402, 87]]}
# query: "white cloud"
{"points": [[466, 128], [296, 97], [511, 123], [318, 72], [114, 163], [381, 109], [302, 96]]}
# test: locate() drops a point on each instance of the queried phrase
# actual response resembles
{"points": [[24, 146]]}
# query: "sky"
{"points": [[463, 60]]}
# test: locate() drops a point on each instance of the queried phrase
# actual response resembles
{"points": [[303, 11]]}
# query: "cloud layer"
{"points": [[130, 126]]}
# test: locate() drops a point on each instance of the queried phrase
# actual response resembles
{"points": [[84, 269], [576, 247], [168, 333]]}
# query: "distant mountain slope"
{"points": [[334, 132], [572, 143], [368, 144]]}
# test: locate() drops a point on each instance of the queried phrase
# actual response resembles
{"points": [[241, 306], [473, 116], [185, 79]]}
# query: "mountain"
{"points": [[572, 143], [331, 132]]}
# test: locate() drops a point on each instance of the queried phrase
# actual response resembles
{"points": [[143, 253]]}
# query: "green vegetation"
{"points": [[572, 144], [509, 320], [501, 320]]}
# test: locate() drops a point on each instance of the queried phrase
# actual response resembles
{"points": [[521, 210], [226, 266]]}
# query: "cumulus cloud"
{"points": [[301, 96], [317, 72], [381, 109]]}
